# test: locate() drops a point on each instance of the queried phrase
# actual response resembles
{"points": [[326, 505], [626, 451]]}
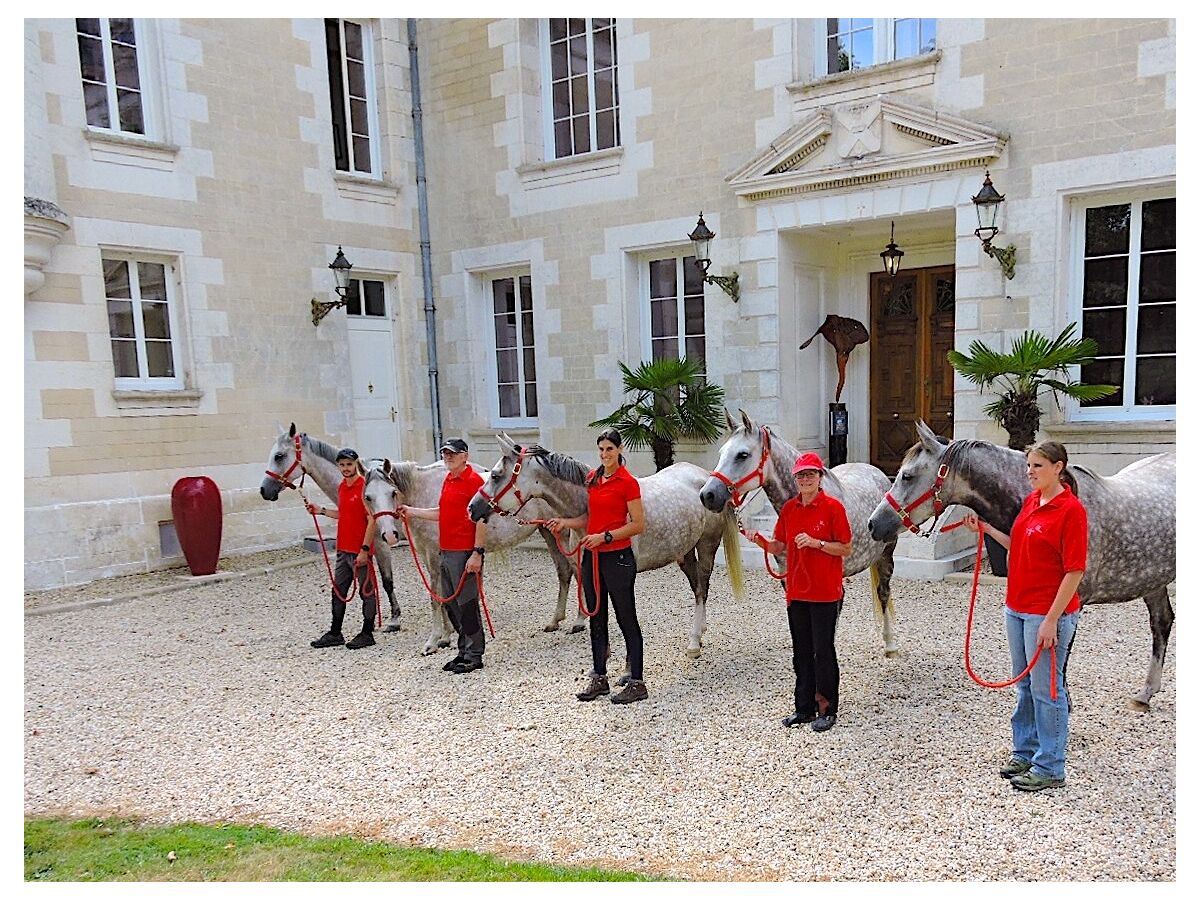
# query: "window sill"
{"points": [[897, 75], [569, 169], [130, 150], [352, 186], [522, 433], [157, 403], [1115, 431]]}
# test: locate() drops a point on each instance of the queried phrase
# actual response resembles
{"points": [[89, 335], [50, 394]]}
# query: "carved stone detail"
{"points": [[45, 224], [859, 128]]}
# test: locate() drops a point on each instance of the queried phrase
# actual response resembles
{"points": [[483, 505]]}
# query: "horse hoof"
{"points": [[427, 650], [892, 654], [1139, 705], [553, 626], [442, 645], [575, 629], [693, 652]]}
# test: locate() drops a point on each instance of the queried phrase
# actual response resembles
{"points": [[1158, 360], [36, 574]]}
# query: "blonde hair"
{"points": [[1055, 453]]}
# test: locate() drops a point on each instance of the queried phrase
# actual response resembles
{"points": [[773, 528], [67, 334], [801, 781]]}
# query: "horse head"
{"points": [[382, 496], [281, 462], [918, 477], [506, 487], [738, 461]]}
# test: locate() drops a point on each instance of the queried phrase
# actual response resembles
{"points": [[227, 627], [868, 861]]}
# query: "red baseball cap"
{"points": [[808, 461]]}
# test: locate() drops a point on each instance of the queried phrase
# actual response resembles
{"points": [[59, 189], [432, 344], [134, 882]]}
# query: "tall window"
{"points": [[351, 95], [582, 75], [365, 297], [112, 83], [677, 309], [140, 322], [1127, 300], [516, 371], [857, 43]]}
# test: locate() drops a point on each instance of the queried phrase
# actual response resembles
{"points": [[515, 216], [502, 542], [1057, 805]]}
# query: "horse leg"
{"points": [[705, 556], [384, 561], [440, 628], [881, 588], [1162, 618], [562, 568], [1067, 661]]}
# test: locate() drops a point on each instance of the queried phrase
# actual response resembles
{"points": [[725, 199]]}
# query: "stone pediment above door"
{"points": [[864, 141]]}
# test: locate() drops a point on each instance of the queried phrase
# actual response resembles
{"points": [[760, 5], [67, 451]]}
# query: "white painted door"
{"points": [[373, 371]]}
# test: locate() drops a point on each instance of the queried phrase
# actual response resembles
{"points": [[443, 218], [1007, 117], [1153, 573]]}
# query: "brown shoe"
{"points": [[597, 686], [635, 690]]}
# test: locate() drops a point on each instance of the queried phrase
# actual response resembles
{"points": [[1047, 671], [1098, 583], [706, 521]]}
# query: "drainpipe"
{"points": [[435, 400]]}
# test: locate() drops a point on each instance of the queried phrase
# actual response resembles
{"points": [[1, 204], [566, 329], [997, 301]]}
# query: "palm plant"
{"points": [[671, 401], [1035, 365]]}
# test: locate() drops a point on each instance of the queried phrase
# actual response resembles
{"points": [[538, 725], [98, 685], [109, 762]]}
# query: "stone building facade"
{"points": [[188, 182]]}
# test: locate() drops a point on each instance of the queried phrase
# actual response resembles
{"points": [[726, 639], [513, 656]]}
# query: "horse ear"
{"points": [[387, 466], [505, 443], [292, 433], [729, 421], [928, 438], [746, 421]]}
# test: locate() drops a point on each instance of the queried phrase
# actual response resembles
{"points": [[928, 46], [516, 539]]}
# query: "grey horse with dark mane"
{"points": [[1131, 521]]}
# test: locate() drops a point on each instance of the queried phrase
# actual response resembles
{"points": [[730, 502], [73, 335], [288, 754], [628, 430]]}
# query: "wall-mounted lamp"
{"points": [[341, 273], [987, 205], [891, 255], [701, 237]]}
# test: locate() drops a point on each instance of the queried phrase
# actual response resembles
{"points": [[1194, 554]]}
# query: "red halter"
{"points": [[494, 501], [738, 498], [935, 492], [285, 478]]}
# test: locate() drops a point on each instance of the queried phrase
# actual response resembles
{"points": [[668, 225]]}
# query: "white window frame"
{"points": [[486, 279], [1077, 212], [145, 46], [548, 94], [372, 99], [172, 268], [680, 255], [388, 306], [883, 32]]}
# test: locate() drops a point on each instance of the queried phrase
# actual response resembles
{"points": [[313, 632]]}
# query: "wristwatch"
{"points": [[480, 551], [366, 549], [608, 538], [822, 545]]}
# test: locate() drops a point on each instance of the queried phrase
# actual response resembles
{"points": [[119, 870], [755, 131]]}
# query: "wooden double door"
{"points": [[912, 319]]}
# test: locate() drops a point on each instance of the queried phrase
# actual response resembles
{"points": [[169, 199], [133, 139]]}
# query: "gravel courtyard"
{"points": [[208, 704]]}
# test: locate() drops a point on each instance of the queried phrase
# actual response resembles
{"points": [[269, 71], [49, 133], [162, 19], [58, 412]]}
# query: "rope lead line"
{"points": [[462, 579]]}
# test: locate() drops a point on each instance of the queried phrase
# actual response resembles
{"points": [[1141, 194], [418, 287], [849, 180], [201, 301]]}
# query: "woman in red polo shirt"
{"points": [[614, 516], [816, 533], [1047, 554]]}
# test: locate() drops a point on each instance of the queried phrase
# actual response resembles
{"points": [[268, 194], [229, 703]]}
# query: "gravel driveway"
{"points": [[208, 704]]}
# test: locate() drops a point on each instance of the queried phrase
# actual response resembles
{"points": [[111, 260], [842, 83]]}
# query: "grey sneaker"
{"points": [[597, 686], [1031, 781], [1015, 767], [633, 691]]}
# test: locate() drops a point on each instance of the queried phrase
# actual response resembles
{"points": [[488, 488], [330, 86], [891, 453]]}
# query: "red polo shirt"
{"points": [[352, 515], [456, 531], [1048, 541], [813, 574], [608, 505]]}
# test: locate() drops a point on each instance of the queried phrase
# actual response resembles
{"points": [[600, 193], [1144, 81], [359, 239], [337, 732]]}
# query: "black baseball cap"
{"points": [[456, 445], [345, 453]]}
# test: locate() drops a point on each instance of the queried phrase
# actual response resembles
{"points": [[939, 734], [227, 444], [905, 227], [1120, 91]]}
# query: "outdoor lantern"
{"points": [[891, 255], [701, 237], [341, 274], [987, 205]]}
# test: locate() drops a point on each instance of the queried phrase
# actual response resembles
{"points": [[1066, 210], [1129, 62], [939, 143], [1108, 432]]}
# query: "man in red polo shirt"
{"points": [[816, 534], [461, 543]]}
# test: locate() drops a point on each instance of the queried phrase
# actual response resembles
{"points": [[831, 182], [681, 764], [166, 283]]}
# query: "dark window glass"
{"points": [[158, 359], [1106, 281], [91, 59], [1107, 328], [155, 321], [373, 294], [662, 278], [120, 319], [1158, 278], [337, 103], [1158, 224], [1106, 230], [125, 359], [1156, 328], [1104, 371], [116, 278], [353, 298], [1155, 381]]}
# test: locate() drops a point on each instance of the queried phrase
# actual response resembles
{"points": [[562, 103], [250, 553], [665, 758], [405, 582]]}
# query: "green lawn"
{"points": [[124, 850]]}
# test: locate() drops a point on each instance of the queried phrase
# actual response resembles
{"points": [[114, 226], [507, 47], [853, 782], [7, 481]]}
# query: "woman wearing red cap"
{"points": [[816, 533]]}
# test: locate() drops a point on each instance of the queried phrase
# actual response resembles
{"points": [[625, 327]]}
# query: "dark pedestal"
{"points": [[196, 508], [839, 428]]}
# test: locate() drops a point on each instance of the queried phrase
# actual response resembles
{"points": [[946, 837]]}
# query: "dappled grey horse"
{"points": [[317, 462], [754, 456], [393, 483], [678, 529], [1131, 520]]}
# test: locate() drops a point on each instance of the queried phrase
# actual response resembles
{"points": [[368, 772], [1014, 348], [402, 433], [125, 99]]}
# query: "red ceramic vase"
{"points": [[196, 508]]}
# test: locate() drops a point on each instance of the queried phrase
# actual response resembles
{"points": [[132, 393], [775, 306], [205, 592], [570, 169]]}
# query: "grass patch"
{"points": [[115, 849]]}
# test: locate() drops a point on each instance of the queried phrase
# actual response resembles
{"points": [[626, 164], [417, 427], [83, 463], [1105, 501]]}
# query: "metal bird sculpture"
{"points": [[844, 334]]}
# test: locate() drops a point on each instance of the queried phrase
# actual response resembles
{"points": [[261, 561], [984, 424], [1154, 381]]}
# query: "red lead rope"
{"points": [[576, 556], [462, 579], [995, 685], [353, 580]]}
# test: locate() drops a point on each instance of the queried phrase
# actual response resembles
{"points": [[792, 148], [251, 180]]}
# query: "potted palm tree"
{"points": [[669, 400], [1034, 366]]}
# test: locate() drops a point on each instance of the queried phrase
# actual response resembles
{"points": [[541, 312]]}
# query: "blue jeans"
{"points": [[1039, 724]]}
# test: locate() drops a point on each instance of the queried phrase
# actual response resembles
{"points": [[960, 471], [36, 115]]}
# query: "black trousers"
{"points": [[343, 577], [814, 657], [618, 570], [463, 610]]}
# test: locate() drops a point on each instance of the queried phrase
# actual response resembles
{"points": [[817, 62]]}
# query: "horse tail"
{"points": [[876, 600], [731, 541]]}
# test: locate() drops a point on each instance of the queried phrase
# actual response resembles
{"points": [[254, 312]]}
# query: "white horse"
{"points": [[678, 528], [391, 484], [1131, 520], [317, 462], [755, 456]]}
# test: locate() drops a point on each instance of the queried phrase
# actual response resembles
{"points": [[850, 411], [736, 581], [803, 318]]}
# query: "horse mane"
{"points": [[326, 451], [559, 465], [911, 453]]}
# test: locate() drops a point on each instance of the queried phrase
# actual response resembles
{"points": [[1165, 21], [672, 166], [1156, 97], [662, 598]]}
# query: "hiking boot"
{"points": [[363, 639], [624, 679], [1031, 781], [635, 690], [825, 722], [328, 639], [596, 686], [449, 667], [467, 665], [795, 720], [1015, 767]]}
